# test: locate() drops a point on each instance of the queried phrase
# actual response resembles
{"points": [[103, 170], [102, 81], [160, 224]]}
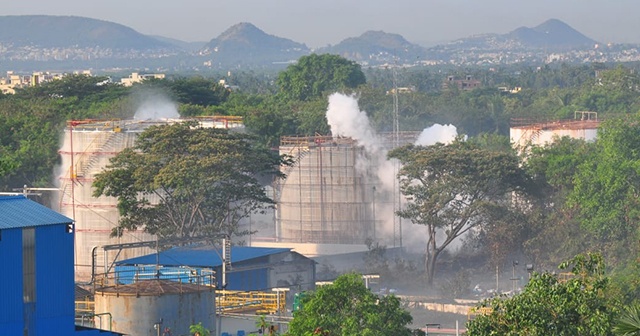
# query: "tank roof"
{"points": [[561, 125], [153, 287], [136, 125]]}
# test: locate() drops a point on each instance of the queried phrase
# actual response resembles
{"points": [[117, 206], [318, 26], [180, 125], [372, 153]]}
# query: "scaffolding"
{"points": [[333, 193], [324, 198]]}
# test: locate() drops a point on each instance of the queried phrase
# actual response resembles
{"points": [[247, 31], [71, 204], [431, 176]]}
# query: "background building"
{"points": [[525, 132]]}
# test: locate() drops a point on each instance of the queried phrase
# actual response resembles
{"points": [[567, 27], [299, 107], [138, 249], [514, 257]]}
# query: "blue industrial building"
{"points": [[252, 268], [37, 285]]}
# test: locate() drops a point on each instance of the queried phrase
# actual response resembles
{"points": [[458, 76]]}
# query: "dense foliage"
{"points": [[181, 180], [455, 188], [315, 75], [573, 303], [586, 192], [347, 307]]}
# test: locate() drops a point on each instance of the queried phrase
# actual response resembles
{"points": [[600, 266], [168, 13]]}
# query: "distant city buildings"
{"points": [[138, 78], [466, 84], [14, 81]]}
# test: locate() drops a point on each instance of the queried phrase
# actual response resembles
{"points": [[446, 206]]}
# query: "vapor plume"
{"points": [[155, 105], [347, 120]]}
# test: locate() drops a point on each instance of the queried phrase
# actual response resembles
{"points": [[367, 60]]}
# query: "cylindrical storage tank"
{"points": [[542, 134], [87, 147], [143, 307], [86, 150], [326, 198]]}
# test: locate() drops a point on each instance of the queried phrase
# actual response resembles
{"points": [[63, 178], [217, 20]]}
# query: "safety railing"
{"points": [[262, 302]]}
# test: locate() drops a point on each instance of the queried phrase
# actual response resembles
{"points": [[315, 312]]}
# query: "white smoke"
{"points": [[347, 120], [155, 105], [437, 133]]}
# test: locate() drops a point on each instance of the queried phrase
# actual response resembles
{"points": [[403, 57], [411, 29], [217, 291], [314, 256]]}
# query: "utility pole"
{"points": [[396, 143]]}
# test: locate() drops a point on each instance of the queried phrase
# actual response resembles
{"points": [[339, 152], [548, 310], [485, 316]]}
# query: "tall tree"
{"points": [[454, 188], [314, 75], [347, 307], [181, 180]]}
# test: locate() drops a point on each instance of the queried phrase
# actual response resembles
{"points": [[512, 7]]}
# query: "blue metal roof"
{"points": [[21, 212], [201, 256]]}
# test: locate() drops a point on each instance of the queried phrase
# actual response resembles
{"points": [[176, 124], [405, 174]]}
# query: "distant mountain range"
{"points": [[552, 35], [29, 42], [246, 44], [43, 31], [376, 47]]}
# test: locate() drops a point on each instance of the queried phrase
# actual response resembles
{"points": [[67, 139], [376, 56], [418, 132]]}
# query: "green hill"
{"points": [[45, 31]]}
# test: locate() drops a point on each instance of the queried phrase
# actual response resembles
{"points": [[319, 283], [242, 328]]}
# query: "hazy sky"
{"points": [[322, 22]]}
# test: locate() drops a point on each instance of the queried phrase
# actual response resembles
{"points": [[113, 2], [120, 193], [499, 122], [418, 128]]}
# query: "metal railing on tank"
{"points": [[128, 275]]}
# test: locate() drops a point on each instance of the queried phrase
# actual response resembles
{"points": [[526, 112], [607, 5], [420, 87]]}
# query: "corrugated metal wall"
{"points": [[54, 279], [255, 279], [11, 306]]}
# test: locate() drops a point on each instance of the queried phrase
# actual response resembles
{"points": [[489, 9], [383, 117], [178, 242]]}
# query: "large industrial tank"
{"points": [[528, 132], [155, 307], [87, 147], [86, 150], [326, 198]]}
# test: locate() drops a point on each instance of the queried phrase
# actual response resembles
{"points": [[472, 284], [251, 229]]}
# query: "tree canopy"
{"points": [[181, 180], [607, 184], [453, 188], [573, 303], [314, 75], [347, 308]]}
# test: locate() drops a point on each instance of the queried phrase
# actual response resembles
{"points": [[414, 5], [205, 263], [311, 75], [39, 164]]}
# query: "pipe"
{"points": [[93, 267]]}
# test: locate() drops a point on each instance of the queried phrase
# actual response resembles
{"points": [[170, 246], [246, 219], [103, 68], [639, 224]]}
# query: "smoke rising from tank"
{"points": [[154, 105], [437, 133], [347, 120]]}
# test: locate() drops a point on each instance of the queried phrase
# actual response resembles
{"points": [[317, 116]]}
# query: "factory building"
{"points": [[36, 247], [250, 269]]}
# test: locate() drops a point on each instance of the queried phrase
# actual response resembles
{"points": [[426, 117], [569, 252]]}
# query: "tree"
{"points": [[454, 188], [607, 184], [181, 180], [573, 303], [198, 91], [29, 136], [314, 75], [555, 232], [629, 322], [199, 330], [347, 307]]}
